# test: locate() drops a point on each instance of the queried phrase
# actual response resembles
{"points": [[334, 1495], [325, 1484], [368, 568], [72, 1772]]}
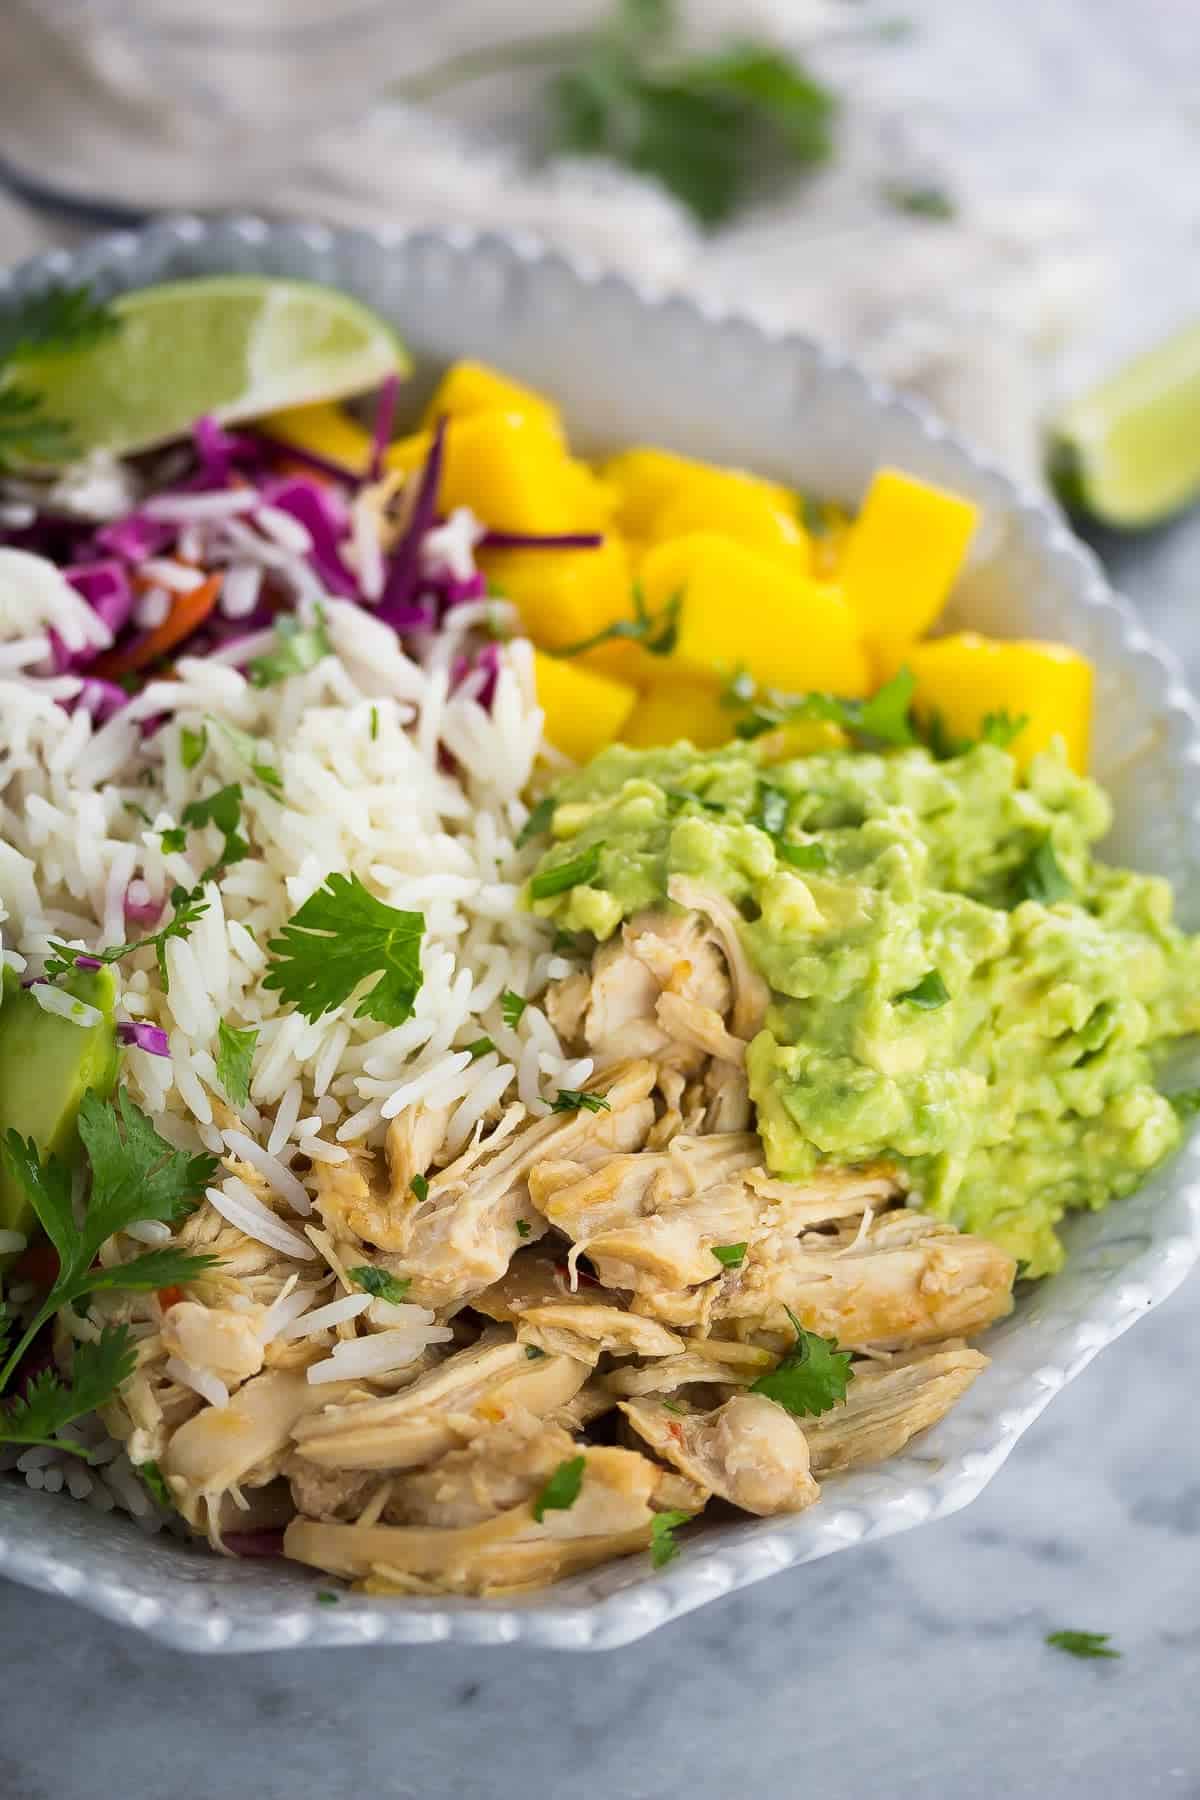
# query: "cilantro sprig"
{"points": [[136, 1175], [1043, 878], [712, 129], [342, 936], [811, 1378], [189, 907], [663, 1526], [569, 1100], [884, 719], [657, 632]]}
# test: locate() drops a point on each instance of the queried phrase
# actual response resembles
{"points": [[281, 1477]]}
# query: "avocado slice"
{"points": [[47, 1064]]}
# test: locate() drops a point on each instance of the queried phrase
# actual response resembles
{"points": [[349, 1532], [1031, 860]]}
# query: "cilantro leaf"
{"points": [[538, 821], [930, 993], [339, 937], [252, 754], [235, 1060], [298, 648], [562, 1489], [1042, 877], [568, 1100], [1082, 1643], [481, 1047], [663, 1526], [511, 1008], [324, 1597], [59, 320], [576, 872], [50, 1403], [379, 1284], [192, 745], [1001, 728], [523, 1228], [730, 1256], [533, 1354], [420, 1187], [173, 840], [886, 715], [811, 1378]]}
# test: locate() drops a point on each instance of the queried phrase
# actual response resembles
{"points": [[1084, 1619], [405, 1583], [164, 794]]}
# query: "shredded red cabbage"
{"points": [[134, 537], [325, 519], [101, 698], [555, 540], [141, 911], [107, 589], [385, 419], [404, 574], [140, 1036]]}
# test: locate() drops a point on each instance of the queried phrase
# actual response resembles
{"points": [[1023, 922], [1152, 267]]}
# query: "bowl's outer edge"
{"points": [[1123, 1269]]}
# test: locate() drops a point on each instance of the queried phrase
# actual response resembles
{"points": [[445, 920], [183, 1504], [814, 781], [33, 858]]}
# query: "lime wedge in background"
{"points": [[234, 346], [1128, 452]]}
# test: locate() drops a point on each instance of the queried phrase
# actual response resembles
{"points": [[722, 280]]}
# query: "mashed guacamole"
{"points": [[957, 983]]}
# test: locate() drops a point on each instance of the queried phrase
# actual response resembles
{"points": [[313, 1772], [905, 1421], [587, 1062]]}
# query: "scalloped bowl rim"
{"points": [[206, 1610]]}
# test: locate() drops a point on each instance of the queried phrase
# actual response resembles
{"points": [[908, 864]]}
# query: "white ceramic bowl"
{"points": [[630, 367]]}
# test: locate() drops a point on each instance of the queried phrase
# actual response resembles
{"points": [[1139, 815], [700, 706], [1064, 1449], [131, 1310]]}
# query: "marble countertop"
{"points": [[912, 1670]]}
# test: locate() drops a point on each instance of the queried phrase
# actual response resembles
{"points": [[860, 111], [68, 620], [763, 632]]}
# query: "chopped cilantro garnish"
{"points": [[235, 1059], [298, 648], [730, 1256], [577, 872], [523, 1228], [562, 1489], [811, 1377], [324, 1597], [379, 1284], [511, 1007], [663, 1526], [929, 993], [1042, 878], [420, 1187], [481, 1047], [1082, 1643], [568, 1100], [564, 943], [173, 840], [192, 745], [538, 821], [374, 723], [340, 937], [923, 200], [533, 1353]]}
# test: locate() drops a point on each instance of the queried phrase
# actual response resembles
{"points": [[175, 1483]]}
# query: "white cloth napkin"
{"points": [[283, 106]]}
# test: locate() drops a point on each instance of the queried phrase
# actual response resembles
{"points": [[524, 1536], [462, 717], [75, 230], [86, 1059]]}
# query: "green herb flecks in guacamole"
{"points": [[1031, 1088]]}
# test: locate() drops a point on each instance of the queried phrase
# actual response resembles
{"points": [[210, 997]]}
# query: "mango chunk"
{"points": [[902, 556], [324, 430], [512, 471], [676, 710], [584, 711], [563, 596], [965, 678], [753, 513], [474, 387], [739, 608]]}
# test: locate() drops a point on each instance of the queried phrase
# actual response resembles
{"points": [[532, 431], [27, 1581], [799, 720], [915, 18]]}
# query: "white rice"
{"points": [[359, 744]]}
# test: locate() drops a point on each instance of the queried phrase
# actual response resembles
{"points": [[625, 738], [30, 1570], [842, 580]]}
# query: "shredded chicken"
{"points": [[631, 1257]]}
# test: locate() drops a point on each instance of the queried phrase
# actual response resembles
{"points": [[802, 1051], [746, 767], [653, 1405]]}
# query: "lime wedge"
{"points": [[1128, 452], [233, 346]]}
